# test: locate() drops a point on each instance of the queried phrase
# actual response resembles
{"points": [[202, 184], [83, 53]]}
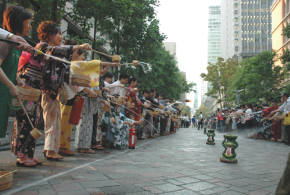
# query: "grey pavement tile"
{"points": [[252, 187], [202, 177], [140, 193], [270, 189], [98, 184], [152, 190], [115, 190], [213, 180], [230, 193], [168, 187], [214, 190], [94, 190], [76, 192], [175, 182], [26, 193], [238, 189], [46, 192], [182, 192], [67, 187], [258, 192], [199, 186], [187, 179]]}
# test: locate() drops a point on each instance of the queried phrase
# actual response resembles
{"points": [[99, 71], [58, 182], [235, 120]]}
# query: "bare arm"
{"points": [[3, 79]]}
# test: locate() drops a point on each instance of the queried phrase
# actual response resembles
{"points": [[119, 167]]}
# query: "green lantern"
{"points": [[210, 135], [230, 144]]}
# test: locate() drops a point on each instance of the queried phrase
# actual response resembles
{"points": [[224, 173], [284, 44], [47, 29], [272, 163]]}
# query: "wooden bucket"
{"points": [[29, 93], [119, 101], [35, 133], [116, 58], [135, 63], [105, 108], [81, 80], [98, 92], [6, 178], [62, 95]]}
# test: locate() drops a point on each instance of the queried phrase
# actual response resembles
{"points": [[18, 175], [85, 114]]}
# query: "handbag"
{"points": [[286, 119]]}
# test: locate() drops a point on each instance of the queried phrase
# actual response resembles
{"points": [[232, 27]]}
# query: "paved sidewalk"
{"points": [[176, 164]]}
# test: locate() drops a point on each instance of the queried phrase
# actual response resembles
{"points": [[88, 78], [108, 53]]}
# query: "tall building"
{"points": [[230, 10], [214, 34], [183, 96], [280, 18], [214, 45], [246, 28], [171, 47], [203, 90]]}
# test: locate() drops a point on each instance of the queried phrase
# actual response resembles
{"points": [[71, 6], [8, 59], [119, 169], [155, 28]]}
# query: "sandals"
{"points": [[86, 151], [54, 157], [26, 163], [66, 152], [98, 147], [38, 162]]}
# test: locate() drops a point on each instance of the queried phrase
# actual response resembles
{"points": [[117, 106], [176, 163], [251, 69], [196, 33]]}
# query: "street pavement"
{"points": [[178, 164]]}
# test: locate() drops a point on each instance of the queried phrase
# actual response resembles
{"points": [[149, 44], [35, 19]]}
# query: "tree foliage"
{"points": [[219, 75], [259, 78], [206, 112], [130, 28]]}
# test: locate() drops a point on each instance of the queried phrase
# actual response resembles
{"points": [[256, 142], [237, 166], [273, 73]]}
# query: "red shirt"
{"points": [[220, 116]]}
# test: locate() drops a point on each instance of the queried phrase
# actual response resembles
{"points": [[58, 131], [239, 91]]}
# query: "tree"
{"points": [[185, 110], [205, 112], [259, 78], [219, 76]]}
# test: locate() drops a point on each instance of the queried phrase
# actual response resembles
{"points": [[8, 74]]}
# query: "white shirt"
{"points": [[110, 86], [3, 33], [117, 90], [248, 113], [200, 116], [285, 106]]}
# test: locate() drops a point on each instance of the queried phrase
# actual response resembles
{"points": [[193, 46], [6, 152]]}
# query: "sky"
{"points": [[186, 23]]}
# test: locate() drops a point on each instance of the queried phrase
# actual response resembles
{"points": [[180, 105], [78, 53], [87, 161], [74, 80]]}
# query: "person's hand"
{"points": [[121, 85], [110, 96], [116, 64], [86, 46], [106, 89], [146, 106], [91, 93], [106, 103], [24, 46], [14, 91], [20, 82], [128, 123], [138, 122]]}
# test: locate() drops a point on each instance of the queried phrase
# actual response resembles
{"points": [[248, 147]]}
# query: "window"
{"points": [[236, 48]]}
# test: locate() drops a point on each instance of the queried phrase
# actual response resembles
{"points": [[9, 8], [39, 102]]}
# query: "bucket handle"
{"points": [[8, 173], [26, 113]]}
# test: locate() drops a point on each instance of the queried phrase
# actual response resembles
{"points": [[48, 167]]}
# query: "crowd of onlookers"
{"points": [[257, 121]]}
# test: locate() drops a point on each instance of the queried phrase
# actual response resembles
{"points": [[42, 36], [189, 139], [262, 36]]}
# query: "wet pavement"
{"points": [[175, 164]]}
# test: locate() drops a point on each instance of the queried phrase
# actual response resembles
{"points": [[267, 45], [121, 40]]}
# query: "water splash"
{"points": [[145, 66]]}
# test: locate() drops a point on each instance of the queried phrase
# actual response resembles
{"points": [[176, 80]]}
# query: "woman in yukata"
{"points": [[119, 126], [49, 75]]}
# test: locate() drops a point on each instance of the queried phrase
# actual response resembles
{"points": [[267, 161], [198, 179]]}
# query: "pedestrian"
{"points": [[220, 118], [193, 122]]}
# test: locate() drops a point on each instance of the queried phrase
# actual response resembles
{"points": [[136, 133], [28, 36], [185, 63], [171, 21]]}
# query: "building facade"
{"points": [[214, 34], [280, 10], [246, 28]]}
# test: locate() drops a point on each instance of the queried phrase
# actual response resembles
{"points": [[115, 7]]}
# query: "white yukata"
{"points": [[83, 135]]}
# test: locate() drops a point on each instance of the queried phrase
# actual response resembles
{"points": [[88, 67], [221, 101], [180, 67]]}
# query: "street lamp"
{"points": [[238, 95]]}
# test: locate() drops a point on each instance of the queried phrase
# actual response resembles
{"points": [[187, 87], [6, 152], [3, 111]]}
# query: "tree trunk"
{"points": [[54, 11]]}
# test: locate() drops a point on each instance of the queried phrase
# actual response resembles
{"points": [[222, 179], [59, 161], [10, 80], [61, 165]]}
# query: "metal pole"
{"points": [[95, 31]]}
